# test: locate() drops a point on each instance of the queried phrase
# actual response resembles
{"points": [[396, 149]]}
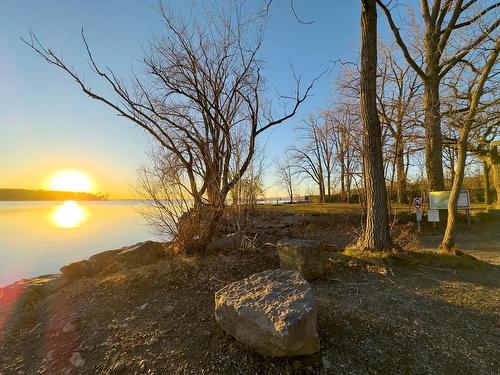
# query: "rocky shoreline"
{"points": [[267, 228], [103, 263]]}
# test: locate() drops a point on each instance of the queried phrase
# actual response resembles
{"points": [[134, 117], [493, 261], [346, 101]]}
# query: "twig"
{"points": [[35, 327]]}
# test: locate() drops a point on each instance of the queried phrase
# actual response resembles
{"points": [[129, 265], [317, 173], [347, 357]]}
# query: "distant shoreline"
{"points": [[48, 195]]}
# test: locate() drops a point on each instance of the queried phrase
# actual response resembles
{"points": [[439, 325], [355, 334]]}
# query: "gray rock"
{"points": [[69, 327], [141, 254], [77, 360], [273, 312], [79, 269], [291, 220], [305, 256], [326, 363], [231, 241]]}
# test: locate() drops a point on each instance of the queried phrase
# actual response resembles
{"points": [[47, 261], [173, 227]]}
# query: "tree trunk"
{"points": [[433, 136], [452, 166], [496, 180], [376, 236], [401, 183], [342, 183], [348, 187], [321, 185], [400, 173], [329, 182], [393, 175], [448, 243], [494, 161], [486, 182]]}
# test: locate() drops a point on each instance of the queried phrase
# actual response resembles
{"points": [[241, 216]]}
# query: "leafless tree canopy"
{"points": [[200, 99], [452, 31]]}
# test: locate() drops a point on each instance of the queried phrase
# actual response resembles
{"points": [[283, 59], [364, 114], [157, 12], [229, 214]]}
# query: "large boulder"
{"points": [[141, 254], [305, 256], [273, 312], [133, 256], [231, 241]]}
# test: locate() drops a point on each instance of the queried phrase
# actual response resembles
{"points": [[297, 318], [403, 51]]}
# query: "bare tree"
{"points": [[200, 96], [444, 46], [346, 137], [475, 92], [398, 110], [308, 159], [286, 175]]}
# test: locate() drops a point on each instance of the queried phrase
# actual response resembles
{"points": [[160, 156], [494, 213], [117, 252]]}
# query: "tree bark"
{"points": [[376, 236], [400, 173], [486, 182], [433, 135], [342, 183], [495, 165], [452, 165]]}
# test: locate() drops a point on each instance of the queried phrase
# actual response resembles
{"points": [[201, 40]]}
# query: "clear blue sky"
{"points": [[47, 123]]}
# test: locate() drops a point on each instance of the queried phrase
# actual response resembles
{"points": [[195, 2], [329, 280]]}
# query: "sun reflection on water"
{"points": [[68, 215]]}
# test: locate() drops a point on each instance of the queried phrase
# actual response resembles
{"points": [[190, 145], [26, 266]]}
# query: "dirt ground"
{"points": [[416, 313]]}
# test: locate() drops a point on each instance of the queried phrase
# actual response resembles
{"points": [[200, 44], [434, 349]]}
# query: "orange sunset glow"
{"points": [[70, 180]]}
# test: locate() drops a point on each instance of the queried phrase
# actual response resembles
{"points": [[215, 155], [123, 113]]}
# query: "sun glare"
{"points": [[68, 215], [74, 181]]}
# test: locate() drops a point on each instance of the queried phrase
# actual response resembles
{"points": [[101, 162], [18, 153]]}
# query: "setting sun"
{"points": [[70, 181]]}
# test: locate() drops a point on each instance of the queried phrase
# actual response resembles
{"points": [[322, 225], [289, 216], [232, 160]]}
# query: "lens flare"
{"points": [[68, 215]]}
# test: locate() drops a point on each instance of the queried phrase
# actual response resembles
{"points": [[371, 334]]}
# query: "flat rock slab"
{"points": [[273, 312], [136, 255], [305, 256]]}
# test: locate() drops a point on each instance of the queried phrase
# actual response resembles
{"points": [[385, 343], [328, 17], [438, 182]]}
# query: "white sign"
{"points": [[433, 215], [419, 215], [463, 199]]}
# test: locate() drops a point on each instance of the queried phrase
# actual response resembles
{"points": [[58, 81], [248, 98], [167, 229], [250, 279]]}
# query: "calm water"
{"points": [[39, 237]]}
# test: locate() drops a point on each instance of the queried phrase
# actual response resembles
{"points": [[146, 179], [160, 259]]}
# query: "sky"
{"points": [[48, 124]]}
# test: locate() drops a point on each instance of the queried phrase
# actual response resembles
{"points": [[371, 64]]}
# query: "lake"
{"points": [[39, 237]]}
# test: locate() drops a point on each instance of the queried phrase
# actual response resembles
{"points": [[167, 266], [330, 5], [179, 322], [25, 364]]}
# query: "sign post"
{"points": [[417, 204]]}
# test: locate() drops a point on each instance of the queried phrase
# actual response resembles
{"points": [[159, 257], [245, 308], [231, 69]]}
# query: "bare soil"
{"points": [[414, 313]]}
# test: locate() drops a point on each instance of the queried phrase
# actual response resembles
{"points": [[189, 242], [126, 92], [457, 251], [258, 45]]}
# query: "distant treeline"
{"points": [[47, 195]]}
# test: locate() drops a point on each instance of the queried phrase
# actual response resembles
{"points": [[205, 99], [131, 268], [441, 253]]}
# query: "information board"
{"points": [[438, 200]]}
